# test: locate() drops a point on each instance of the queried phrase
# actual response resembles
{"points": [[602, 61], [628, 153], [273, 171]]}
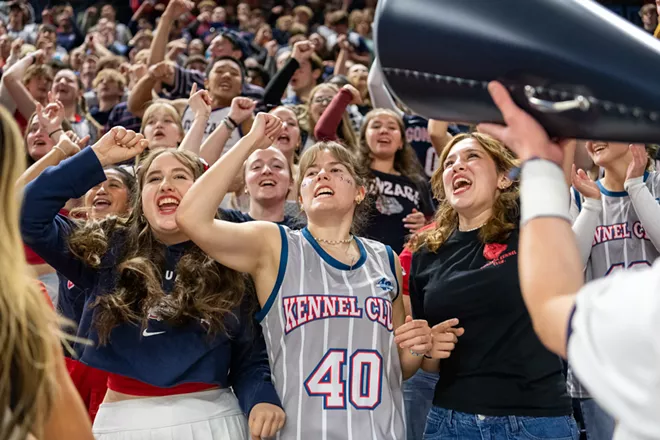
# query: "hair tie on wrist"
{"points": [[234, 123], [59, 129], [427, 357]]}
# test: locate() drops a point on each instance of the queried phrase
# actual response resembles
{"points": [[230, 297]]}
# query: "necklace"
{"points": [[473, 229], [323, 240]]}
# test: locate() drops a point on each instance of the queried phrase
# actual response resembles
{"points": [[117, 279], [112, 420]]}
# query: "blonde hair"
{"points": [[112, 74], [27, 369], [165, 106], [505, 207]]}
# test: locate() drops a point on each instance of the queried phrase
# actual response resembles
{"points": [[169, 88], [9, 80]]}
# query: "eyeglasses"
{"points": [[324, 100]]}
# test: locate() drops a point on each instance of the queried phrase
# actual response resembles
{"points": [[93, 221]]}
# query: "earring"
{"points": [[358, 200]]}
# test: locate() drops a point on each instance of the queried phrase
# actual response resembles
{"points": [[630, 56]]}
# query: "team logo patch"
{"points": [[385, 284], [70, 285], [493, 250], [388, 205]]}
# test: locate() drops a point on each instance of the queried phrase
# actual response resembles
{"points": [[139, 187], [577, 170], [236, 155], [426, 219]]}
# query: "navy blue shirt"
{"points": [[235, 216], [162, 355]]}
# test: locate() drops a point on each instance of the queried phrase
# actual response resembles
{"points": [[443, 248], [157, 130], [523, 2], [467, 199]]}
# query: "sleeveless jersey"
{"points": [[620, 241], [328, 329], [215, 119]]}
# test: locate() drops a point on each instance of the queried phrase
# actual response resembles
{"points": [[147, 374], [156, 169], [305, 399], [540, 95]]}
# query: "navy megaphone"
{"points": [[578, 68]]}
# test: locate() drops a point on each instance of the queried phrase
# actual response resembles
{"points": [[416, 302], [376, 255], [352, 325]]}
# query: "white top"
{"points": [[614, 348]]}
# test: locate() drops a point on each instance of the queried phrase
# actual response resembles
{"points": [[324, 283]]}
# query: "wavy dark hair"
{"points": [[506, 209], [203, 289], [405, 160]]}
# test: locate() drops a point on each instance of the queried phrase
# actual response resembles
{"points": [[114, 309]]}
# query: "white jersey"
{"points": [[614, 349], [329, 332], [215, 119]]}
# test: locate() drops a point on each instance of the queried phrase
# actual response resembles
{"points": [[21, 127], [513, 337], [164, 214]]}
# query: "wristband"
{"points": [[543, 191], [228, 124], [50, 134], [427, 357], [58, 148], [234, 123]]}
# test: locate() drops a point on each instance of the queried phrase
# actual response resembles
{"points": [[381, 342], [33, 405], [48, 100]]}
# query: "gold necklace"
{"points": [[473, 229], [323, 240]]}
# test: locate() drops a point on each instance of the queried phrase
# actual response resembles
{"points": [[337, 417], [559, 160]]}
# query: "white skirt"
{"points": [[207, 415]]}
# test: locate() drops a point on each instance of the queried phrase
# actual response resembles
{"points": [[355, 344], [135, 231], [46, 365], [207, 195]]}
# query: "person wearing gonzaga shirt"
{"points": [[499, 378]]}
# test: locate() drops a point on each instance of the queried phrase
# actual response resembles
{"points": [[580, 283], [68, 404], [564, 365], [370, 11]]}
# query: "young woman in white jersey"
{"points": [[338, 378]]}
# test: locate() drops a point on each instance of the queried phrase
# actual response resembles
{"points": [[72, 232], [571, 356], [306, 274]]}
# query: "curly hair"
{"points": [[203, 289], [344, 156], [506, 210], [405, 160]]}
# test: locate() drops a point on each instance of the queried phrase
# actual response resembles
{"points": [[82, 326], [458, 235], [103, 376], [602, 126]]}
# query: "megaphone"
{"points": [[582, 71]]}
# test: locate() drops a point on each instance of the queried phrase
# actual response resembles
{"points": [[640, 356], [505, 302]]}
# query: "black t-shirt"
{"points": [[499, 367], [393, 198], [234, 216]]}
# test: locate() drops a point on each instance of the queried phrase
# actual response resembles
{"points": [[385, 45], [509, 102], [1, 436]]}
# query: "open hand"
{"points": [[445, 337], [200, 102], [638, 164], [583, 183]]}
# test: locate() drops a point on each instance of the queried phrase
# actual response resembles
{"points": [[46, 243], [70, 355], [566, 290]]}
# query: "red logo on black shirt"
{"points": [[70, 285], [493, 250]]}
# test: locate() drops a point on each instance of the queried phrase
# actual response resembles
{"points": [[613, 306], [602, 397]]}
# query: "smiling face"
{"points": [[383, 136], [327, 185], [225, 81], [161, 126], [267, 176], [37, 141], [606, 154], [163, 186], [66, 88], [289, 138], [470, 178], [357, 75], [108, 198]]}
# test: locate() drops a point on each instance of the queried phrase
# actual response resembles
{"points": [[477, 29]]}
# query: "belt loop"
{"points": [[513, 421], [450, 414]]}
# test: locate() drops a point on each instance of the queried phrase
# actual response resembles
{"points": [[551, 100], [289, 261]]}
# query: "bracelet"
{"points": [[234, 123], [57, 147], [427, 357], [228, 124], [50, 134], [414, 353], [543, 191]]}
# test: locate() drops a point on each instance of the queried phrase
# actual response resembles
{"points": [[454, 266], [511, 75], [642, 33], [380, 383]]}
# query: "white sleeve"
{"points": [[380, 96], [646, 207], [614, 347], [584, 227]]}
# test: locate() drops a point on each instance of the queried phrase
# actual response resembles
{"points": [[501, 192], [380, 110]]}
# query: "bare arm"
{"points": [[12, 80], [200, 104], [245, 247], [141, 95], [438, 134], [241, 113], [158, 46]]}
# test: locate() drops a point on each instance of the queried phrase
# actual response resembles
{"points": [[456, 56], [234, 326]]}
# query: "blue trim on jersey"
{"points": [[616, 193], [331, 260], [284, 256], [578, 200], [390, 256]]}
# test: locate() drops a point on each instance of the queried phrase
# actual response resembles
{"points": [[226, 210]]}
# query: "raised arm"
{"points": [[302, 51], [240, 111], [200, 105], [142, 93], [645, 205], [245, 247], [174, 10], [547, 243], [326, 127], [12, 80]]}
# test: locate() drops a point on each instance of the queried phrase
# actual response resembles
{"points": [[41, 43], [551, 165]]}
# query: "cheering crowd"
{"points": [[205, 190]]}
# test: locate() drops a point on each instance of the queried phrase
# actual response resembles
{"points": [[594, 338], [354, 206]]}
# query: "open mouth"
{"points": [[159, 133], [167, 205], [284, 138], [599, 147], [323, 191], [39, 143], [384, 140], [267, 183], [461, 185], [101, 204]]}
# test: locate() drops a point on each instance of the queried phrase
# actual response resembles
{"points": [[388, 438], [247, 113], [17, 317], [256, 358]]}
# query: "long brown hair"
{"points": [[27, 323], [204, 289], [505, 208], [405, 159]]}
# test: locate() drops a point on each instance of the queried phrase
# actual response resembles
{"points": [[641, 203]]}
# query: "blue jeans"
{"points": [[598, 424], [418, 393], [444, 424]]}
